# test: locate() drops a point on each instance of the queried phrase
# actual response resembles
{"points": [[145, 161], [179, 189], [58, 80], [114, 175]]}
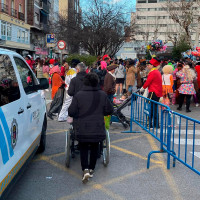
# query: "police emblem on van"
{"points": [[14, 133]]}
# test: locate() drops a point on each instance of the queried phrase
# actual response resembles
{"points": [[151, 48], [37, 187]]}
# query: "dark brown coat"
{"points": [[109, 84]]}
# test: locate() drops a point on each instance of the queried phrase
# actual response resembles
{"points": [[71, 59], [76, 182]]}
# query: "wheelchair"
{"points": [[71, 150]]}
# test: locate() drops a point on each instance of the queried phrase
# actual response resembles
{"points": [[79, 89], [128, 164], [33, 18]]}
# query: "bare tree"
{"points": [[99, 30], [183, 13]]}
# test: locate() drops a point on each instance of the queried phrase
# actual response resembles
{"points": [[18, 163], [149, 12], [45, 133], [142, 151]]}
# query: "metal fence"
{"points": [[176, 133]]}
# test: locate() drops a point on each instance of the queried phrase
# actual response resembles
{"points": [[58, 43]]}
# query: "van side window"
{"points": [[26, 75], [9, 88]]}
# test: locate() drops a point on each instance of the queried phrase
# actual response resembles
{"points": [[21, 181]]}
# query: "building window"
{"points": [[37, 18], [20, 8], [23, 36], [9, 31], [3, 30], [26, 37], [12, 4], [19, 35]]}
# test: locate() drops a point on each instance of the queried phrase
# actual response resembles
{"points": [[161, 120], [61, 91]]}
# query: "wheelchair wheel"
{"points": [[67, 149], [106, 149]]}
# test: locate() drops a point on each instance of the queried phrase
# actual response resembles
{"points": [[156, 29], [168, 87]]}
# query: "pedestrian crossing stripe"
{"points": [[5, 139], [183, 132], [189, 141], [197, 154]]}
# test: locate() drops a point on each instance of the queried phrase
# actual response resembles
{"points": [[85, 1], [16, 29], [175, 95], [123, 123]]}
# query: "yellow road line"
{"points": [[60, 131], [125, 139], [126, 176], [169, 178], [111, 194], [61, 167], [133, 154], [96, 186]]}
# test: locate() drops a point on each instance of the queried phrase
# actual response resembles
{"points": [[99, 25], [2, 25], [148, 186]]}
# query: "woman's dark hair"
{"points": [[132, 62], [91, 79]]}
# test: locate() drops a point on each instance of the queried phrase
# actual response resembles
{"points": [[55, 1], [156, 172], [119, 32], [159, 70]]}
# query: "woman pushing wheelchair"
{"points": [[88, 108]]}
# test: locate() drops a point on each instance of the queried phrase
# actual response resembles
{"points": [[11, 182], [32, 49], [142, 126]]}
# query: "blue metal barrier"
{"points": [[163, 124]]}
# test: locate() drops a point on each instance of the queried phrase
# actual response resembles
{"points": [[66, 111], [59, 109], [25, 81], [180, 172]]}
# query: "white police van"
{"points": [[23, 119]]}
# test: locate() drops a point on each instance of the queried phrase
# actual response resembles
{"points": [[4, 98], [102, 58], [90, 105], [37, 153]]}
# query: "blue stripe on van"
{"points": [[7, 132], [3, 147]]}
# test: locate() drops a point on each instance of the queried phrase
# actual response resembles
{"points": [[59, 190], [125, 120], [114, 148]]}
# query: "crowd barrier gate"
{"points": [[164, 125]]}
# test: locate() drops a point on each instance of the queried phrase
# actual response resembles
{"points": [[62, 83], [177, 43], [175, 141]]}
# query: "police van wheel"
{"points": [[42, 146], [67, 149], [106, 149]]}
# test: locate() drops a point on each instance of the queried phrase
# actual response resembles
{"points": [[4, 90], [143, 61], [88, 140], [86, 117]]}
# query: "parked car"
{"points": [[23, 120]]}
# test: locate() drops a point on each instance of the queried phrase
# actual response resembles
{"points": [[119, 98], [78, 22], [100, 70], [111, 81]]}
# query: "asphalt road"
{"points": [[126, 177]]}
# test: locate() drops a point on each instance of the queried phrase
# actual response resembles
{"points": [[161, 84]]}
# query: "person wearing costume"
{"points": [[167, 82], [71, 73], [154, 85], [187, 76]]}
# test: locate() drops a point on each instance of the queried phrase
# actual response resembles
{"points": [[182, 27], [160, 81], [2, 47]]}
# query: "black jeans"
{"points": [[181, 100], [84, 149], [154, 110]]}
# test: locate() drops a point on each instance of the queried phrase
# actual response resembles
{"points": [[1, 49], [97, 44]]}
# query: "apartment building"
{"points": [[69, 8], [38, 18], [152, 21], [14, 30]]}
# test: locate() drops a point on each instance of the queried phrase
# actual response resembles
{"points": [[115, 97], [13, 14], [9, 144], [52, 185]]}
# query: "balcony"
{"points": [[4, 8], [13, 12], [44, 6], [21, 16]]}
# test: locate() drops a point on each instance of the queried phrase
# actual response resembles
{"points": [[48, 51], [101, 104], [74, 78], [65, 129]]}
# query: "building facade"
{"points": [[38, 18], [153, 21], [14, 30]]}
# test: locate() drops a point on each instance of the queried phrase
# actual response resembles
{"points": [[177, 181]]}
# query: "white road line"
{"points": [[189, 132], [197, 154], [189, 141]]}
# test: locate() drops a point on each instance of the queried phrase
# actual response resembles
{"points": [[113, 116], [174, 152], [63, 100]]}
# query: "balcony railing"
{"points": [[4, 8], [21, 16], [44, 6], [13, 12]]}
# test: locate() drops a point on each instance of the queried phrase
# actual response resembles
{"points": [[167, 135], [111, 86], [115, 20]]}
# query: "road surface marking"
{"points": [[189, 141]]}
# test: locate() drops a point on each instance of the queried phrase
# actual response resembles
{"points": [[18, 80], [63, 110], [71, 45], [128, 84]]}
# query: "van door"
{"points": [[12, 117], [35, 104]]}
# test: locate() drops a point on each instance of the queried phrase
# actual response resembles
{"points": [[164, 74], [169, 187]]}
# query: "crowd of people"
{"points": [[85, 94]]}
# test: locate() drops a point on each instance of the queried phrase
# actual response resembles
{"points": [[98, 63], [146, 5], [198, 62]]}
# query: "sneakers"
{"points": [[50, 116], [91, 172], [188, 110], [86, 176], [197, 105]]}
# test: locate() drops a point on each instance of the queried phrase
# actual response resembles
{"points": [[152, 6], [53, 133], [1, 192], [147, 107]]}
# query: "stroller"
{"points": [[117, 115]]}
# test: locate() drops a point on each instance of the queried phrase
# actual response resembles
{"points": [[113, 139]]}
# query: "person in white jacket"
{"points": [[63, 115], [120, 74]]}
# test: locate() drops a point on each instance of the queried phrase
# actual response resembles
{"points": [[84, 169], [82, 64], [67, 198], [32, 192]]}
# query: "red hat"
{"points": [[51, 61], [154, 62]]}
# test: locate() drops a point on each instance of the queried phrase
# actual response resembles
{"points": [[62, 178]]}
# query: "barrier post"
{"points": [[169, 132], [131, 119]]}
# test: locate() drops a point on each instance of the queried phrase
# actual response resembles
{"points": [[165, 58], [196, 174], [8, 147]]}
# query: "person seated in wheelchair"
{"points": [[88, 108]]}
